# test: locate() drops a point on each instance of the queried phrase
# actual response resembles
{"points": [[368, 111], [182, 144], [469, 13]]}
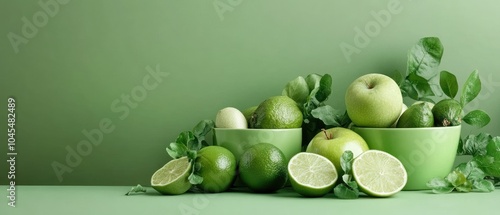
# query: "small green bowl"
{"points": [[426, 153], [289, 141]]}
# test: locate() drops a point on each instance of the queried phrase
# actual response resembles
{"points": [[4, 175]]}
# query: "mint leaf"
{"points": [[346, 161], [471, 88], [136, 190], [191, 154], [201, 130], [187, 138], [440, 185], [195, 179], [448, 83], [348, 189], [465, 187], [344, 191], [483, 186], [177, 150], [474, 144], [490, 161], [477, 118], [325, 88], [456, 178], [475, 172]]}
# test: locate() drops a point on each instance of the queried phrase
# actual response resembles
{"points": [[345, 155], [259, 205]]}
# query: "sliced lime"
{"points": [[311, 174], [378, 173], [173, 177]]}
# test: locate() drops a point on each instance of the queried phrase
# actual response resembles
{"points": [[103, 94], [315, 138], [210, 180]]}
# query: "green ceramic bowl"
{"points": [[289, 141], [426, 153]]}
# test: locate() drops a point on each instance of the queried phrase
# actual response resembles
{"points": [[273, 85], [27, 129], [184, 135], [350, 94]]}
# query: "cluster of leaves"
{"points": [[422, 83], [470, 90], [310, 94], [348, 189], [466, 177], [485, 151], [188, 143]]}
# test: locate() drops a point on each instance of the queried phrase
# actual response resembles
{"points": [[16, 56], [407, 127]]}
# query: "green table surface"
{"points": [[111, 200]]}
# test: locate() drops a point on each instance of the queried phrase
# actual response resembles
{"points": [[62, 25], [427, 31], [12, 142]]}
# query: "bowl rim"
{"points": [[257, 129], [406, 129]]}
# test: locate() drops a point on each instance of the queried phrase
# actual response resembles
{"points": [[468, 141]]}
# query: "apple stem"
{"points": [[326, 134]]}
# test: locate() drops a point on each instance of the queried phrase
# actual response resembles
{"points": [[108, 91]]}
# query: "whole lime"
{"points": [[416, 116], [217, 166], [447, 112], [263, 168], [277, 112]]}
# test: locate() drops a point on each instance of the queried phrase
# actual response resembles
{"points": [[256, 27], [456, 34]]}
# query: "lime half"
{"points": [[378, 173], [172, 178], [311, 174]]}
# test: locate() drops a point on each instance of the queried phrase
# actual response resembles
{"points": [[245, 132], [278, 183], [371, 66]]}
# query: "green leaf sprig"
{"points": [[470, 90], [310, 94], [188, 143], [420, 82], [348, 189]]}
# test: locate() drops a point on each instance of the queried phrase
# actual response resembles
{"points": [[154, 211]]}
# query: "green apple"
{"points": [[332, 143], [373, 100]]}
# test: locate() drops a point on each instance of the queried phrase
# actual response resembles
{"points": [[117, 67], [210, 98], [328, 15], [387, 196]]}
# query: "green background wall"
{"points": [[89, 55]]}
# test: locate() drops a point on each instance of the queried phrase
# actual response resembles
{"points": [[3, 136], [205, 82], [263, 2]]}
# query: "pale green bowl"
{"points": [[289, 141], [426, 153]]}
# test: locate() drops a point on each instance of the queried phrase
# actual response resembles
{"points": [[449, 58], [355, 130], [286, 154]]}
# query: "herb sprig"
{"points": [[310, 94], [188, 143], [348, 189]]}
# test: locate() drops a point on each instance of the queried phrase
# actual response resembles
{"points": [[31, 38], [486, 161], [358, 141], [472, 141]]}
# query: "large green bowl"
{"points": [[426, 153], [289, 141]]}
